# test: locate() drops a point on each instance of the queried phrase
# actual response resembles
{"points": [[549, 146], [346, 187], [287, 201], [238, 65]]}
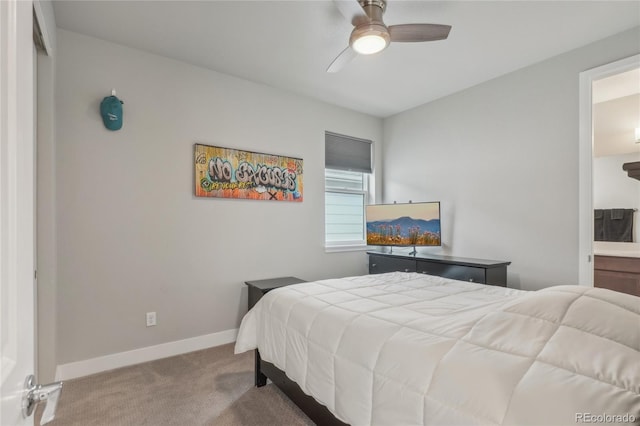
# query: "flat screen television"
{"points": [[407, 224]]}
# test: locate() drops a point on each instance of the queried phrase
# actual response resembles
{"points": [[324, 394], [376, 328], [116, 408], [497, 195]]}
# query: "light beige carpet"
{"points": [[211, 387]]}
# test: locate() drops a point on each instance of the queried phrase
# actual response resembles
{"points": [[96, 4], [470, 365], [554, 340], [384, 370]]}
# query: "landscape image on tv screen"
{"points": [[411, 224]]}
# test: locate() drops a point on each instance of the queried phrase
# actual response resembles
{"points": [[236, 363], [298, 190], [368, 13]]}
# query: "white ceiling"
{"points": [[289, 44]]}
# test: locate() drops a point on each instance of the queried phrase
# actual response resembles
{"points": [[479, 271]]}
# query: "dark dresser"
{"points": [[482, 271]]}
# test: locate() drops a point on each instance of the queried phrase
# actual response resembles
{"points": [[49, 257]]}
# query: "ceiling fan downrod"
{"points": [[374, 9]]}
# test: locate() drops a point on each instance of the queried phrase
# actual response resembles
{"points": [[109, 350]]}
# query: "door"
{"points": [[16, 208]]}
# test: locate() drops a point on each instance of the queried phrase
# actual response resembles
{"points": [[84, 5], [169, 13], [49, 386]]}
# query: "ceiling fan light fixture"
{"points": [[369, 39]]}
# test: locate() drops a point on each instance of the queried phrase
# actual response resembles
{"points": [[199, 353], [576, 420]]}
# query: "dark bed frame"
{"points": [[312, 408]]}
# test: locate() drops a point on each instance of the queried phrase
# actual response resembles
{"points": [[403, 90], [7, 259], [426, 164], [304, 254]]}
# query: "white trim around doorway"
{"points": [[585, 159]]}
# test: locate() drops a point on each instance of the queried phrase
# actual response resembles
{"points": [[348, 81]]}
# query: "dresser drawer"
{"points": [[617, 273], [455, 272], [382, 264], [624, 282], [614, 263]]}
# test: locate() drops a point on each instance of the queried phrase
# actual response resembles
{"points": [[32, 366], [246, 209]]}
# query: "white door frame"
{"points": [[585, 158], [17, 189]]}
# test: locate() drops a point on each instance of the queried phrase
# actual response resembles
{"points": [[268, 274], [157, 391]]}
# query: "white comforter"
{"points": [[412, 349]]}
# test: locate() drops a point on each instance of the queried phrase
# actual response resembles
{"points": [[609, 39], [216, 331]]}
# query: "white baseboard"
{"points": [[87, 367]]}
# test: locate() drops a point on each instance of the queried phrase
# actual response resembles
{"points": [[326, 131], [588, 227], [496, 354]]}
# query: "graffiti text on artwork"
{"points": [[262, 175], [219, 170], [266, 176]]}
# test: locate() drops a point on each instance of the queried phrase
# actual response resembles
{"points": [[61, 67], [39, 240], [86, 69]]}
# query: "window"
{"points": [[347, 174], [345, 195]]}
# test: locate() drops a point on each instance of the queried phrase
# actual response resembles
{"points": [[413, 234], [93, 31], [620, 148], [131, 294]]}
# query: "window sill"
{"points": [[343, 248]]}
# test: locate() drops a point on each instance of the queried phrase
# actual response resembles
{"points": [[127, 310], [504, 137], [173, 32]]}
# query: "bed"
{"points": [[413, 349]]}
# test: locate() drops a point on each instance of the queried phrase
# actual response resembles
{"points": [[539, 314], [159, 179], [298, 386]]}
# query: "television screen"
{"points": [[410, 224]]}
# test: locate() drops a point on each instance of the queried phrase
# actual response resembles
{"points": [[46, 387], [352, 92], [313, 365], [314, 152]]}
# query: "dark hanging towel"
{"points": [[598, 230], [617, 225]]}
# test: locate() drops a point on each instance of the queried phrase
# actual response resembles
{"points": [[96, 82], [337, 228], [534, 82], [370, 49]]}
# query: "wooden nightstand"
{"points": [[257, 289]]}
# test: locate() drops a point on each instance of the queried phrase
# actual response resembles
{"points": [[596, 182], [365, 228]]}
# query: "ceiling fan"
{"points": [[370, 34]]}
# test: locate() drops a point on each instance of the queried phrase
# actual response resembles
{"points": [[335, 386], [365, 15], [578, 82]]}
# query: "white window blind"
{"points": [[345, 196]]}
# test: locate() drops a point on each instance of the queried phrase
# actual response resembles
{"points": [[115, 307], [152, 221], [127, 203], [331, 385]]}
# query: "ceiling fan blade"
{"points": [[418, 32], [346, 56], [352, 11]]}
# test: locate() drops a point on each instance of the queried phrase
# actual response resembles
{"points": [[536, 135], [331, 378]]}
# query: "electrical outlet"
{"points": [[151, 319]]}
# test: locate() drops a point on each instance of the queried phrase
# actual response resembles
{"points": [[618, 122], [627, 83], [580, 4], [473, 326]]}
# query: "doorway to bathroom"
{"points": [[609, 235]]}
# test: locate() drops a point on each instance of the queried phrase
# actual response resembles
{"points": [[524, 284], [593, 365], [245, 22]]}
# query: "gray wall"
{"points": [[46, 220], [45, 203], [132, 238], [502, 157]]}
